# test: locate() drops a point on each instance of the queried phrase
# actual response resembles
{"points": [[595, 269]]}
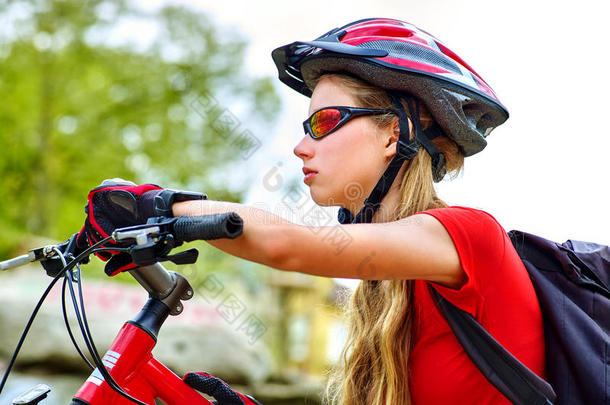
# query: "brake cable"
{"points": [[86, 332], [67, 274], [65, 314], [26, 330]]}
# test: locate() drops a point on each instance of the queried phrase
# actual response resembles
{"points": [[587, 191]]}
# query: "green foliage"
{"points": [[79, 106]]}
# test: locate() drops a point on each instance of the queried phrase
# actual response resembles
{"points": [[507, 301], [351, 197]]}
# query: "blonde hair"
{"points": [[373, 366]]}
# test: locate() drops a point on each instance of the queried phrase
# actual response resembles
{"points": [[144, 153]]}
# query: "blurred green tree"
{"points": [[101, 88]]}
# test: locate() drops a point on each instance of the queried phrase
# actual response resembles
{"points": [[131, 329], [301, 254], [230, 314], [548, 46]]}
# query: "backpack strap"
{"points": [[513, 379]]}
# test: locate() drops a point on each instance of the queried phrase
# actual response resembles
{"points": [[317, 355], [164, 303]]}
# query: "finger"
{"points": [[81, 239], [117, 181], [119, 263]]}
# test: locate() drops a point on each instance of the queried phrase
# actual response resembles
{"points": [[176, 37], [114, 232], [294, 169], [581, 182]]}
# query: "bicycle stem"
{"points": [[169, 287]]}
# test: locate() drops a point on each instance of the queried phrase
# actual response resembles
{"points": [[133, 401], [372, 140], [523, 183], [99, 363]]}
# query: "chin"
{"points": [[324, 199]]}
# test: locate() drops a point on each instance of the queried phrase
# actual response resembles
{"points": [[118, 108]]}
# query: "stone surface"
{"points": [[217, 331]]}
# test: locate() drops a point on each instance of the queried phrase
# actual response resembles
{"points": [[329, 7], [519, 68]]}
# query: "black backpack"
{"points": [[572, 283]]}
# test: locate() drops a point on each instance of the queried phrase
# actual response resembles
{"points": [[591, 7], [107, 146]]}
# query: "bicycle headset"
{"points": [[411, 65]]}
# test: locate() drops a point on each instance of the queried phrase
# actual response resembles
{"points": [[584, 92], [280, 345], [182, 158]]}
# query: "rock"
{"points": [[216, 333]]}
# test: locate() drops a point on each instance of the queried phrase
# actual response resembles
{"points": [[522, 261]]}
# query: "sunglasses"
{"points": [[327, 120]]}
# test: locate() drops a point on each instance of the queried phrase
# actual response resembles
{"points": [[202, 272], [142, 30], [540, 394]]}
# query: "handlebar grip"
{"points": [[208, 227], [17, 261]]}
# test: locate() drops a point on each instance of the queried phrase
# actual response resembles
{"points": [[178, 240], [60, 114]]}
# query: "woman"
{"points": [[392, 110]]}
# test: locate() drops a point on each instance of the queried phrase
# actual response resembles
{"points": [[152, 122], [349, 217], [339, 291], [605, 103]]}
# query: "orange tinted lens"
{"points": [[324, 121]]}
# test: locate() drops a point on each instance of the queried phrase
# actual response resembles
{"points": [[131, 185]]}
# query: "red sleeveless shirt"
{"points": [[498, 293]]}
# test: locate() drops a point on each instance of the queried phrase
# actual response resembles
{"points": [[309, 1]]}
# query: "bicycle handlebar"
{"points": [[151, 242], [184, 229], [17, 261], [208, 227], [169, 287]]}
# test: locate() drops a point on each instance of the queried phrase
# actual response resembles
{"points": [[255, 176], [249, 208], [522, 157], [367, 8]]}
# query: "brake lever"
{"points": [[186, 257], [151, 251], [154, 240], [49, 259]]}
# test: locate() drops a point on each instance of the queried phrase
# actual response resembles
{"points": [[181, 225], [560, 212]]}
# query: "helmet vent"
{"points": [[417, 53]]}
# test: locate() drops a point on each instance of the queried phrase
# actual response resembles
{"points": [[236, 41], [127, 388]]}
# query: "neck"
{"points": [[390, 204]]}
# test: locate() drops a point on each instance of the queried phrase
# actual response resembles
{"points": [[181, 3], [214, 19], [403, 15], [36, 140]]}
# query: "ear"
{"points": [[391, 140]]}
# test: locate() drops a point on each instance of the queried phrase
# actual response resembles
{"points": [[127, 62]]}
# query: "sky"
{"points": [[545, 171]]}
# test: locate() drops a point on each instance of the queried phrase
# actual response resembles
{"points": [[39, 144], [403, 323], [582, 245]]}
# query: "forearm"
{"points": [[418, 247], [249, 214], [272, 241], [262, 229]]}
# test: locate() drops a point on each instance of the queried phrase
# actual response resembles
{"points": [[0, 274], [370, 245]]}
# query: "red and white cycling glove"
{"points": [[118, 203], [217, 388]]}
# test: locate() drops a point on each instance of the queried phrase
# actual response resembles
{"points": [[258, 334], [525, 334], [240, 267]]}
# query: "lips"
{"points": [[309, 174]]}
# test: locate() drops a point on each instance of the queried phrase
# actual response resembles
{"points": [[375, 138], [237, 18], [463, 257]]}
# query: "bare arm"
{"points": [[417, 247]]}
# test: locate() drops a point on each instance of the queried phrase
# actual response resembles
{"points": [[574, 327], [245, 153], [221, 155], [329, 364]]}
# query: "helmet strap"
{"points": [[439, 168], [406, 149]]}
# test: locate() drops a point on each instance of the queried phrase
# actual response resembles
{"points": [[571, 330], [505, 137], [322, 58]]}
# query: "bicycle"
{"points": [[128, 372]]}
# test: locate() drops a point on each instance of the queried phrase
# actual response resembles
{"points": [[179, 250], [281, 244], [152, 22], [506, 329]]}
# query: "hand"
{"points": [[118, 203], [217, 388]]}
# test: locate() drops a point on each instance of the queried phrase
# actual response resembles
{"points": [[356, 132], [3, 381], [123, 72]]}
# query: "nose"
{"points": [[305, 148]]}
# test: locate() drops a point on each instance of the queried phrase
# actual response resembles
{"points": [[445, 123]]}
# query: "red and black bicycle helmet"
{"points": [[407, 62]]}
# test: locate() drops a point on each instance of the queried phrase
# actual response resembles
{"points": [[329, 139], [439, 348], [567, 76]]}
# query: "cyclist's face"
{"points": [[349, 161]]}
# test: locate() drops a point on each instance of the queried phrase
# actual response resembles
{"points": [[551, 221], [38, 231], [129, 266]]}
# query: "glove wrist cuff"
{"points": [[162, 203]]}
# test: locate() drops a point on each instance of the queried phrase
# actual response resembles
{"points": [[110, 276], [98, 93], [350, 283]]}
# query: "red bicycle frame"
{"points": [[129, 360]]}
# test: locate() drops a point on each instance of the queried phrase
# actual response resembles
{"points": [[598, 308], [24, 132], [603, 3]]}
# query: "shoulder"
{"points": [[465, 215], [472, 227], [480, 241]]}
